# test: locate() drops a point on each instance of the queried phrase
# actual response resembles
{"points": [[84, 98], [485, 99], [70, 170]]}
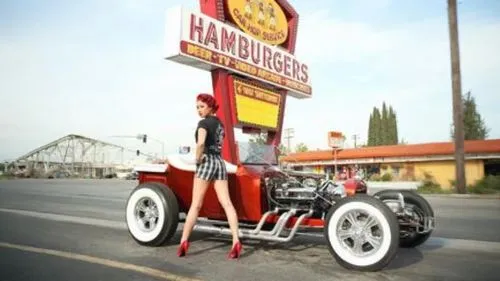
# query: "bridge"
{"points": [[71, 155]]}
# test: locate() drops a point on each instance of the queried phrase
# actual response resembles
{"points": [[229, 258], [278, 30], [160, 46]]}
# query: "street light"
{"points": [[144, 138]]}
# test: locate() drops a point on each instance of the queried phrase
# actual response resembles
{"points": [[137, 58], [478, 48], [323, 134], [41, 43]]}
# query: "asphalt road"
{"points": [[74, 229]]}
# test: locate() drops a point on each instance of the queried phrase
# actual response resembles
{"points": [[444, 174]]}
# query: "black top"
{"points": [[215, 134]]}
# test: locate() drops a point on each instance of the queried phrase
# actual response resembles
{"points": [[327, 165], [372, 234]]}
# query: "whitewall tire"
{"points": [[152, 214], [362, 233]]}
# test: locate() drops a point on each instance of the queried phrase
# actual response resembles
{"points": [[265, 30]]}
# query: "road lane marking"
{"points": [[105, 262], [438, 242], [66, 218]]}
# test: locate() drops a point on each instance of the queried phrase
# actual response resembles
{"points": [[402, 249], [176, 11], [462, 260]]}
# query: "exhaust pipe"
{"points": [[273, 235]]}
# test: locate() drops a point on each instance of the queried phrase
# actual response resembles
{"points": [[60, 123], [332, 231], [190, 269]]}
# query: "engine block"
{"points": [[306, 193]]}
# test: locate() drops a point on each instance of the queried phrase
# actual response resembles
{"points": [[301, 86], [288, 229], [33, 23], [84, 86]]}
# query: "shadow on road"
{"points": [[410, 256], [405, 258], [308, 246]]}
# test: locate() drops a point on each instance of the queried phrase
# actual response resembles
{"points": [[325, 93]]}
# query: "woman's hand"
{"points": [[202, 135], [200, 159]]}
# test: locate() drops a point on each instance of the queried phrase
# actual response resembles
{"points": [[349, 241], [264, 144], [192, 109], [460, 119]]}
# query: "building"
{"points": [[412, 162]]}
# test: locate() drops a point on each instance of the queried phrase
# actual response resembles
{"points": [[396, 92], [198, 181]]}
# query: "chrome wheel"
{"points": [[146, 214], [360, 233]]}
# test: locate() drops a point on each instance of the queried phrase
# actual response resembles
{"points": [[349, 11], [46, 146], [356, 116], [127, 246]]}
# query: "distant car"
{"points": [[132, 176], [362, 232]]}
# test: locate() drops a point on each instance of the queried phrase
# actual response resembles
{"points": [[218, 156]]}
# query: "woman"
{"points": [[210, 167]]}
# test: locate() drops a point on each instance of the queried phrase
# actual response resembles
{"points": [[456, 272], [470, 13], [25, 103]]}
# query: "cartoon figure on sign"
{"points": [[248, 9], [272, 17], [261, 17]]}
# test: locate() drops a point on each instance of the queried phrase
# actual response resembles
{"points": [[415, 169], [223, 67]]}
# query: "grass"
{"points": [[6, 177]]}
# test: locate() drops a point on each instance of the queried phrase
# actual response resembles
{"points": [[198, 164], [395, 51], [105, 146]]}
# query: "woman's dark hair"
{"points": [[209, 100]]}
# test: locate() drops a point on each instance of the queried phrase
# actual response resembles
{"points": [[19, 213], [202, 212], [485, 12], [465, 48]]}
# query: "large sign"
{"points": [[262, 19], [200, 41], [254, 105]]}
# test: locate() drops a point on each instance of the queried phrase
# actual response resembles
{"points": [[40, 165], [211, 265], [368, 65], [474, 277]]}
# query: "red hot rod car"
{"points": [[363, 232]]}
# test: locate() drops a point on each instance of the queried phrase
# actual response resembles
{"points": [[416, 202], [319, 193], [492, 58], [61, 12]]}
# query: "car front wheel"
{"points": [[362, 233], [152, 214]]}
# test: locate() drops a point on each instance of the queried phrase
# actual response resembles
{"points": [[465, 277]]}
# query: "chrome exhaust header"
{"points": [[273, 235]]}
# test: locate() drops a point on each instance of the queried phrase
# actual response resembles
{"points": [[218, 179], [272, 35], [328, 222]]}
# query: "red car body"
{"points": [[246, 190]]}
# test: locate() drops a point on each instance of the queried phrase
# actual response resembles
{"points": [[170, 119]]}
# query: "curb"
{"points": [[464, 196]]}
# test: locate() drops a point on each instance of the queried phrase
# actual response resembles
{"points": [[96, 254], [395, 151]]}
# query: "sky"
{"points": [[96, 68]]}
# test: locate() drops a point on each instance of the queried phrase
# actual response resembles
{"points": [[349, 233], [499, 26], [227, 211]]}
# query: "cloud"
{"points": [[64, 86], [356, 65], [106, 76]]}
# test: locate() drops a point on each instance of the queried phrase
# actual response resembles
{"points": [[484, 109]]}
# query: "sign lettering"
{"points": [[262, 19], [204, 39]]}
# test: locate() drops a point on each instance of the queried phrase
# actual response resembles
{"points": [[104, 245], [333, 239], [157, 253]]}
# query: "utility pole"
{"points": [[355, 138], [457, 97], [289, 134]]}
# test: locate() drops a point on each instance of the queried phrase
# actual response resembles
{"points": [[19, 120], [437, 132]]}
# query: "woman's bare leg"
{"points": [[221, 188], [199, 189]]}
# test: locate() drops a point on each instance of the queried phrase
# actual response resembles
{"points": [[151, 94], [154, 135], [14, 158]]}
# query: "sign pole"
{"points": [[336, 142], [251, 77], [335, 159]]}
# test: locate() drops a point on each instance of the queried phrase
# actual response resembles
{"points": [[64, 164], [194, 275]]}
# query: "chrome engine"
{"points": [[302, 191]]}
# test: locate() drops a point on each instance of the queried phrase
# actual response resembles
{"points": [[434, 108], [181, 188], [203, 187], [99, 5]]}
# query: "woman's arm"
{"points": [[200, 145]]}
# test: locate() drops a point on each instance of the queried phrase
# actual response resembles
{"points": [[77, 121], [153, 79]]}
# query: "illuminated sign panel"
{"points": [[262, 19], [206, 43], [255, 105]]}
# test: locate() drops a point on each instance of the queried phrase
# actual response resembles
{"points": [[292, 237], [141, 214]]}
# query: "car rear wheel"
{"points": [[152, 214], [420, 211], [362, 233]]}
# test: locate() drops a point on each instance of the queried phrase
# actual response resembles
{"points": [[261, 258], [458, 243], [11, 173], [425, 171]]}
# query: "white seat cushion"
{"points": [[154, 168], [187, 162]]}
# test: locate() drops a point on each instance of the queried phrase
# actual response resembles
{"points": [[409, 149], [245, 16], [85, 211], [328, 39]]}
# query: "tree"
{"points": [[371, 140], [474, 125], [392, 127], [301, 147], [283, 150], [383, 127]]}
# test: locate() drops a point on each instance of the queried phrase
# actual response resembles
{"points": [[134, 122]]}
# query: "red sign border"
{"points": [[219, 10]]}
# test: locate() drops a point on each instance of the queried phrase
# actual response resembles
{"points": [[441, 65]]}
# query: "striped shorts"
{"points": [[212, 167]]}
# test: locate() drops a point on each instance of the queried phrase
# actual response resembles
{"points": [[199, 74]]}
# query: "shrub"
{"points": [[429, 185], [386, 177], [487, 185], [375, 177]]}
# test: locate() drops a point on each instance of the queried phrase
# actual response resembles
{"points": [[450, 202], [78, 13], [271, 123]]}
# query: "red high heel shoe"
{"points": [[183, 247], [235, 251]]}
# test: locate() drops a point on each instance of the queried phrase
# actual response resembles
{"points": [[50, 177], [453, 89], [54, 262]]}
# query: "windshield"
{"points": [[257, 153]]}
